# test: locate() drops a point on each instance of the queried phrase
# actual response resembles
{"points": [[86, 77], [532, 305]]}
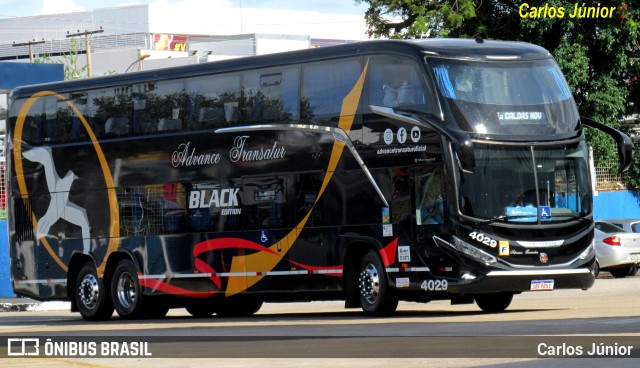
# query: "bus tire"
{"points": [[237, 306], [494, 302], [376, 297], [201, 308], [91, 296], [126, 292]]}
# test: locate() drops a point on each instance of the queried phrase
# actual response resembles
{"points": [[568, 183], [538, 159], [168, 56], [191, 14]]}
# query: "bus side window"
{"points": [[171, 105], [395, 82], [48, 125], [213, 100], [430, 196], [32, 128], [307, 189], [271, 95], [111, 111], [324, 88], [264, 203]]}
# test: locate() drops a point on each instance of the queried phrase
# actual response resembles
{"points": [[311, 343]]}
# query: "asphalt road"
{"points": [[536, 325]]}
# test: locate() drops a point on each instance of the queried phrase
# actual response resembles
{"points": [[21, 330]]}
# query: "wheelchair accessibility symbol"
{"points": [[545, 213], [264, 237]]}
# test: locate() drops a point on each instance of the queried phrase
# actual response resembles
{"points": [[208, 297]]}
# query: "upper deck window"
{"points": [[528, 98], [398, 82], [324, 87]]}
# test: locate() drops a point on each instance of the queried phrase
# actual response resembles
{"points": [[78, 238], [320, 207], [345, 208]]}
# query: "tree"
{"points": [[600, 56], [72, 68]]}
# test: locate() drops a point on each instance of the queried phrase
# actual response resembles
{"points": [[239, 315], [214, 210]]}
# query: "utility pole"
{"points": [[30, 44], [87, 42]]}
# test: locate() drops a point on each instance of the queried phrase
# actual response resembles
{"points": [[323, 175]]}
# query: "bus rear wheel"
{"points": [[91, 296], [376, 297], [125, 290], [494, 302]]}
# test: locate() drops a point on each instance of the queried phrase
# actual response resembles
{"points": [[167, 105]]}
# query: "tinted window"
{"points": [[264, 201], [271, 95], [507, 97], [324, 87], [214, 100], [608, 228], [169, 102], [110, 111], [398, 83]]}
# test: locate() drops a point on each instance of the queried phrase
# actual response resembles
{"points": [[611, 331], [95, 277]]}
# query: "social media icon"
{"points": [[402, 135], [415, 134], [388, 136]]}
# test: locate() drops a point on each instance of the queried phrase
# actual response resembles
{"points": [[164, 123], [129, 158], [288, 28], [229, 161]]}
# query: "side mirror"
{"points": [[623, 141]]}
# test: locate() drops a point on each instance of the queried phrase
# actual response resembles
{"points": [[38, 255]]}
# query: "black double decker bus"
{"points": [[370, 172]]}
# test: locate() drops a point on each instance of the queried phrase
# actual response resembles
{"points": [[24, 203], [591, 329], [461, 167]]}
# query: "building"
{"points": [[139, 37]]}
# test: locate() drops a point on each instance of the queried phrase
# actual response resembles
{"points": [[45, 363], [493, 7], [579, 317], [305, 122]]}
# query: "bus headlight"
{"points": [[587, 252], [473, 252]]}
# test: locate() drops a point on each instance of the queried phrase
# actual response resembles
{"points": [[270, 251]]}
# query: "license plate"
{"points": [[541, 285], [635, 257]]}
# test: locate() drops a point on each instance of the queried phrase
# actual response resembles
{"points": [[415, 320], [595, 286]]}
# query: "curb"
{"points": [[34, 306], [14, 307]]}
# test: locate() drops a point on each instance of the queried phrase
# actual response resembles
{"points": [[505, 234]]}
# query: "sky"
{"points": [[342, 19]]}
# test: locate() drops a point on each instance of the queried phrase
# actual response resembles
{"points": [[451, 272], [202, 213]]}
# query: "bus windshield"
{"points": [[527, 184], [526, 98]]}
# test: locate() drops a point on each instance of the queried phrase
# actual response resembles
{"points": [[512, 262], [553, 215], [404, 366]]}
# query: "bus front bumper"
{"points": [[527, 280]]}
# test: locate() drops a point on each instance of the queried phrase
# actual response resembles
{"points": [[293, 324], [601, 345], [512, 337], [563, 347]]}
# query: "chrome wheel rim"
{"points": [[369, 283], [89, 291], [126, 290]]}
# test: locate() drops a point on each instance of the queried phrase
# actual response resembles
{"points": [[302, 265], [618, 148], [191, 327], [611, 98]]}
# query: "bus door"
{"points": [[430, 216]]}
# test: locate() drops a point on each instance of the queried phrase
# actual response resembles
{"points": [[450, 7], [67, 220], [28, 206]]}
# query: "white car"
{"points": [[617, 250]]}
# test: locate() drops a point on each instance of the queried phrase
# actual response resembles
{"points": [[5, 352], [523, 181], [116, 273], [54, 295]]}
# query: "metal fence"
{"points": [[608, 177]]}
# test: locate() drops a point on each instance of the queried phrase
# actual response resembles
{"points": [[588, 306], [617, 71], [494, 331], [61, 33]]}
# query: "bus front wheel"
{"points": [[92, 298], [376, 297], [494, 302]]}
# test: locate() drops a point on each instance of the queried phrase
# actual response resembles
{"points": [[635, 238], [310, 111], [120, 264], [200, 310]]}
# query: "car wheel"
{"points": [[596, 269], [622, 272]]}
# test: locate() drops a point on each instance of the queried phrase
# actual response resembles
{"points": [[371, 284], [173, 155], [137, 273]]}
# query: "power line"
{"points": [[87, 34], [30, 44]]}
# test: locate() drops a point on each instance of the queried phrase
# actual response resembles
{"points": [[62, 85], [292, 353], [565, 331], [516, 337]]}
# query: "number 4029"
{"points": [[434, 285], [484, 239]]}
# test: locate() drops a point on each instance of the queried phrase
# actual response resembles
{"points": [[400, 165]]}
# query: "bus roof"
{"points": [[450, 48]]}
